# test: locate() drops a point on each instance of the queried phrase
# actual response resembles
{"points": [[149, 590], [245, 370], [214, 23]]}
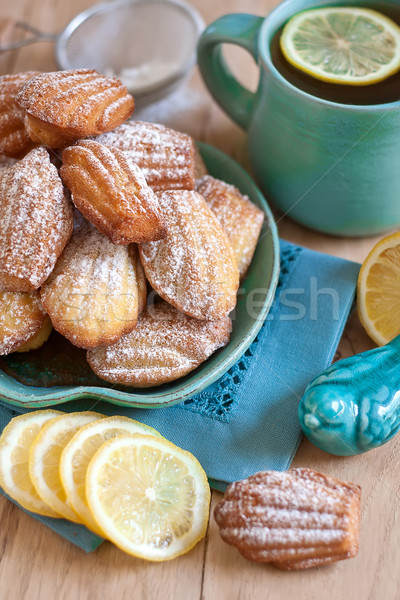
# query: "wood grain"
{"points": [[35, 563]]}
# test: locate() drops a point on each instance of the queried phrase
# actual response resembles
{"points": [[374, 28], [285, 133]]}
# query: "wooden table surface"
{"points": [[37, 563]]}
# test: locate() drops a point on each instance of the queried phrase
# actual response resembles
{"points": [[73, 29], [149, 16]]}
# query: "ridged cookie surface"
{"points": [[14, 139], [193, 267], [164, 346], [92, 295], [111, 192], [167, 157], [64, 106], [36, 221], [21, 317], [240, 218], [296, 519]]}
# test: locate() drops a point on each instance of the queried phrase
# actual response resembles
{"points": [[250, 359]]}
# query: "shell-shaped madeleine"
{"points": [[240, 218], [64, 106], [167, 157], [14, 139], [165, 345], [92, 294], [193, 267], [295, 519], [36, 221], [21, 317], [111, 192]]}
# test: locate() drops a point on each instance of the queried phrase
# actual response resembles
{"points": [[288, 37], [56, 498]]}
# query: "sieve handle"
{"points": [[7, 26]]}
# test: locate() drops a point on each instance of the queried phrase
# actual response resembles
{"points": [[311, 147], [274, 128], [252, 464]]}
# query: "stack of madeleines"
{"points": [[97, 208]]}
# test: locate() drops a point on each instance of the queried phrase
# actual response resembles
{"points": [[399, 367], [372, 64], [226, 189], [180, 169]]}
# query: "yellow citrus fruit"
{"points": [[378, 290], [78, 453], [44, 459], [15, 443], [150, 497], [342, 44]]}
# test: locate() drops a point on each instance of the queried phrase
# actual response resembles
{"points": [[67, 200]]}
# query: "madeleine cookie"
{"points": [[111, 192], [164, 346], [167, 157], [36, 221], [64, 106], [239, 217], [14, 139], [296, 519], [21, 318], [193, 267], [92, 295]]}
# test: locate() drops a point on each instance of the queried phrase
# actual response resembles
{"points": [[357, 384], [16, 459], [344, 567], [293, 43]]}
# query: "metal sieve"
{"points": [[152, 42]]}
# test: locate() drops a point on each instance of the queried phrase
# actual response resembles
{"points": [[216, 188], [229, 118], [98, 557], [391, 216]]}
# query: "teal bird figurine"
{"points": [[354, 406]]}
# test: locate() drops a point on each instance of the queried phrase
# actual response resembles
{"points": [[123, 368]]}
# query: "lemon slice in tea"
{"points": [[343, 45], [378, 290], [150, 497]]}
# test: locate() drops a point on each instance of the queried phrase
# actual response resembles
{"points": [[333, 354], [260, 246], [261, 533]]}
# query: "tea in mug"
{"points": [[381, 92]]}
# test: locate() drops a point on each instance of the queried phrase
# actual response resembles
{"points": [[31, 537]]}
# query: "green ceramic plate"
{"points": [[257, 292]]}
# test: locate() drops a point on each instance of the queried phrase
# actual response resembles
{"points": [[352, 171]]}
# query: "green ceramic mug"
{"points": [[334, 167]]}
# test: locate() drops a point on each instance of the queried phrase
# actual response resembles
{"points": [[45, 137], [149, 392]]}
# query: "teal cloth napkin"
{"points": [[247, 421]]}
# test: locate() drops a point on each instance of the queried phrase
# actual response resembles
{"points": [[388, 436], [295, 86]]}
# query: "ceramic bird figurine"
{"points": [[354, 406]]}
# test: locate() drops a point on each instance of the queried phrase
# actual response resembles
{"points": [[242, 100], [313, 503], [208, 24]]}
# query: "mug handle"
{"points": [[241, 30]]}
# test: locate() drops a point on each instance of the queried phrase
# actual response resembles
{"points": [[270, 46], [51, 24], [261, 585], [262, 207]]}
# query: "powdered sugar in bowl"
{"points": [[149, 44]]}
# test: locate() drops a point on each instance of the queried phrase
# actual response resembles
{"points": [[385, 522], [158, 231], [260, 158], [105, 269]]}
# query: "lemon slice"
{"points": [[150, 497], [345, 45], [44, 459], [80, 450], [378, 290], [15, 443]]}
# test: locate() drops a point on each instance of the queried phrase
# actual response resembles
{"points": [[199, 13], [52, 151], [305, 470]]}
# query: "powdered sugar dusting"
{"points": [[294, 515], [164, 346], [21, 316], [111, 111], [239, 217], [36, 221], [80, 100], [193, 267], [92, 294], [111, 191], [166, 156]]}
